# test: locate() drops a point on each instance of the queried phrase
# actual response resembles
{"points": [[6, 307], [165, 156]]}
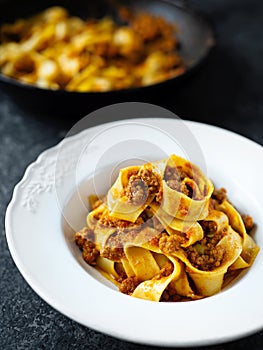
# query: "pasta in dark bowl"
{"points": [[81, 56]]}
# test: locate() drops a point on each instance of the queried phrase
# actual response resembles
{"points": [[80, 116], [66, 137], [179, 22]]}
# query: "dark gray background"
{"points": [[226, 91]]}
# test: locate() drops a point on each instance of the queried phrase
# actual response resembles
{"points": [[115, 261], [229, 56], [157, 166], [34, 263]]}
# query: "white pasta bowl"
{"points": [[51, 202]]}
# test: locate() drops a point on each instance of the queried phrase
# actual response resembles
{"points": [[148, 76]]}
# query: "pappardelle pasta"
{"points": [[164, 233], [56, 50]]}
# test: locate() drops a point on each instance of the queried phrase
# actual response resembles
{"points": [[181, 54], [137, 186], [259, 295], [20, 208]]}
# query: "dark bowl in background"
{"points": [[194, 32]]}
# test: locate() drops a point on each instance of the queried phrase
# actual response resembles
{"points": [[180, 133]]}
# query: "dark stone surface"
{"points": [[226, 91]]}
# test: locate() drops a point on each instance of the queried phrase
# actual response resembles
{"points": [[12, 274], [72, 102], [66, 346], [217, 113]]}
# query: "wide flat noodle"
{"points": [[210, 282], [249, 247], [154, 288], [181, 285], [101, 232], [120, 206], [179, 205], [118, 203], [107, 266], [142, 262], [192, 231], [94, 216], [127, 267]]}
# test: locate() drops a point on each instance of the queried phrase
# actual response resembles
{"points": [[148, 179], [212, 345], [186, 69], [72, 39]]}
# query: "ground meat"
{"points": [[165, 271], [170, 294], [85, 241], [113, 249], [137, 190], [159, 195], [248, 222], [120, 271], [206, 254], [151, 29], [113, 253], [208, 226], [209, 260], [80, 240], [174, 184], [83, 235], [174, 173], [174, 176], [219, 195], [90, 253], [169, 244], [150, 179], [111, 221], [154, 241], [187, 190], [129, 285], [142, 185], [167, 296]]}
